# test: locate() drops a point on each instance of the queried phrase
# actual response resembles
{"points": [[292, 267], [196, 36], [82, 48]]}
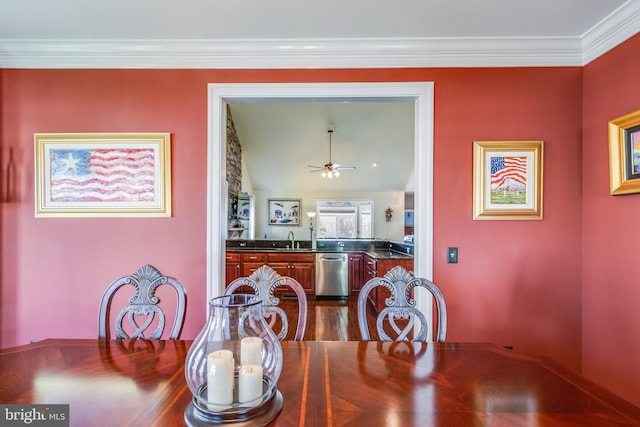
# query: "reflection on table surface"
{"points": [[134, 382]]}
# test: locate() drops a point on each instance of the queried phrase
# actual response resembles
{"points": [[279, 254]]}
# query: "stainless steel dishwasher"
{"points": [[332, 274]]}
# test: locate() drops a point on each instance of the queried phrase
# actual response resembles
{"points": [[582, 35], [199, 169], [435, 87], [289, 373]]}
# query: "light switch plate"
{"points": [[452, 255]]}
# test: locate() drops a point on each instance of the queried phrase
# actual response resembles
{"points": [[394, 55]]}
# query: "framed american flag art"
{"points": [[624, 154], [507, 180], [102, 174]]}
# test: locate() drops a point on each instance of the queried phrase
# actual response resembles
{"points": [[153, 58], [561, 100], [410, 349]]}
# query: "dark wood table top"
{"points": [[141, 383]]}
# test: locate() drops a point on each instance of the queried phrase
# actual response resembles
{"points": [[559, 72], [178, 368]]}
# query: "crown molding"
{"points": [[301, 53], [620, 25]]}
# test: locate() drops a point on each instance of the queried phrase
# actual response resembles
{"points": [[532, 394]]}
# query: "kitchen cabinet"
{"points": [[251, 261], [232, 267], [301, 266], [298, 266], [356, 274], [383, 265], [370, 271], [386, 264]]}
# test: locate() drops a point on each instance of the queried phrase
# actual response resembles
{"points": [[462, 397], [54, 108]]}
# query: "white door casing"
{"points": [[420, 93]]}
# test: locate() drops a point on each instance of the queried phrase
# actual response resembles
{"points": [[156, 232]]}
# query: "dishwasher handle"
{"points": [[332, 259]]}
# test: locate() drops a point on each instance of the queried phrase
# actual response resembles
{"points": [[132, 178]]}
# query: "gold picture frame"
{"points": [[624, 154], [102, 174], [507, 180]]}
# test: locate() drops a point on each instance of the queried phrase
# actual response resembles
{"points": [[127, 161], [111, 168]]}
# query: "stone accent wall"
{"points": [[234, 158]]}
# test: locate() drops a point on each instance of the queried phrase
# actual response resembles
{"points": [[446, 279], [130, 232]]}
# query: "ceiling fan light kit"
{"points": [[330, 169]]}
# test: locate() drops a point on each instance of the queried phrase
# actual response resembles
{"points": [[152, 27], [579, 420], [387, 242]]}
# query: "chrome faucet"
{"points": [[292, 239]]}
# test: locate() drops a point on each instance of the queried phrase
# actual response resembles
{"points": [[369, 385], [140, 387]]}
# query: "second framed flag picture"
{"points": [[507, 180]]}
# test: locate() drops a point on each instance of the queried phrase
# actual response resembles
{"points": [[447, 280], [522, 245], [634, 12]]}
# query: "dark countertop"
{"points": [[376, 248], [378, 254]]}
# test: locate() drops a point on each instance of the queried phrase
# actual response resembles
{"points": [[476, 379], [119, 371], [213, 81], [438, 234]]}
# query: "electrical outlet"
{"points": [[452, 255]]}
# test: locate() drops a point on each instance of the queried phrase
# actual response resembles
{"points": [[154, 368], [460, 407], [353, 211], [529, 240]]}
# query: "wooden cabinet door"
{"points": [[282, 268], [298, 266], [251, 261], [356, 274], [250, 267], [383, 266], [232, 267], [305, 274]]}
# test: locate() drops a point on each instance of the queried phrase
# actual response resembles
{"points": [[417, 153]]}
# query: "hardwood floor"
{"points": [[327, 320]]}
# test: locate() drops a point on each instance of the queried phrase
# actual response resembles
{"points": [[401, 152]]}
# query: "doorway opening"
{"points": [[418, 93]]}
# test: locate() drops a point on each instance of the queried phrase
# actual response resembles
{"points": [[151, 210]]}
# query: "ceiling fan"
{"points": [[329, 170]]}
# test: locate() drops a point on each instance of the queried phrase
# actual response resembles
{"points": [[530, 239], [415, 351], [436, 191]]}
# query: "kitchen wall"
{"points": [[557, 287], [393, 230]]}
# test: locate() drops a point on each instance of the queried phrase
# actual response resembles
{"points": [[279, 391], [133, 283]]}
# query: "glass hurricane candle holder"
{"points": [[232, 367]]}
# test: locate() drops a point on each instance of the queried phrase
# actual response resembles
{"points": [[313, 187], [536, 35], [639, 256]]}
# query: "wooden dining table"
{"points": [[323, 383]]}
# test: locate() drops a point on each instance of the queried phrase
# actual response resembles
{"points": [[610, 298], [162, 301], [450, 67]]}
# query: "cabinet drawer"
{"points": [[291, 257], [250, 267], [254, 257], [370, 263], [232, 257]]}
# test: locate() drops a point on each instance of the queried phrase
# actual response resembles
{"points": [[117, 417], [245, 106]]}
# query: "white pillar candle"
{"points": [[229, 354], [251, 351], [250, 384], [220, 379]]}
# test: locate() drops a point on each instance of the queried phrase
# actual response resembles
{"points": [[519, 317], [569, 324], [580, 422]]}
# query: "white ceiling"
{"points": [[241, 19], [295, 33]]}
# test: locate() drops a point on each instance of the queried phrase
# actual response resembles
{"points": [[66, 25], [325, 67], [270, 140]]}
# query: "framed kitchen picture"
{"points": [[102, 174], [507, 180], [624, 154], [284, 211]]}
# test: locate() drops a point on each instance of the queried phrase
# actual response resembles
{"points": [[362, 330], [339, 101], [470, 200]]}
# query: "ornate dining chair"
{"points": [[143, 312], [263, 283], [399, 316]]}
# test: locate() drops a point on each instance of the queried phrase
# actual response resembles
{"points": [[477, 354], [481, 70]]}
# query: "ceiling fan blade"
{"points": [[331, 167]]}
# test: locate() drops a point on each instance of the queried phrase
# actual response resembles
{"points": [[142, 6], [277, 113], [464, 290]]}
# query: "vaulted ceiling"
{"points": [[280, 140]]}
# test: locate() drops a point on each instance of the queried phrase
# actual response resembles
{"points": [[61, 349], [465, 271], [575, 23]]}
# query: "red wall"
{"points": [[517, 282], [611, 288]]}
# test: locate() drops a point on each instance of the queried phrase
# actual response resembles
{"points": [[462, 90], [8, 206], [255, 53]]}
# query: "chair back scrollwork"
{"points": [[145, 319], [400, 313]]}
